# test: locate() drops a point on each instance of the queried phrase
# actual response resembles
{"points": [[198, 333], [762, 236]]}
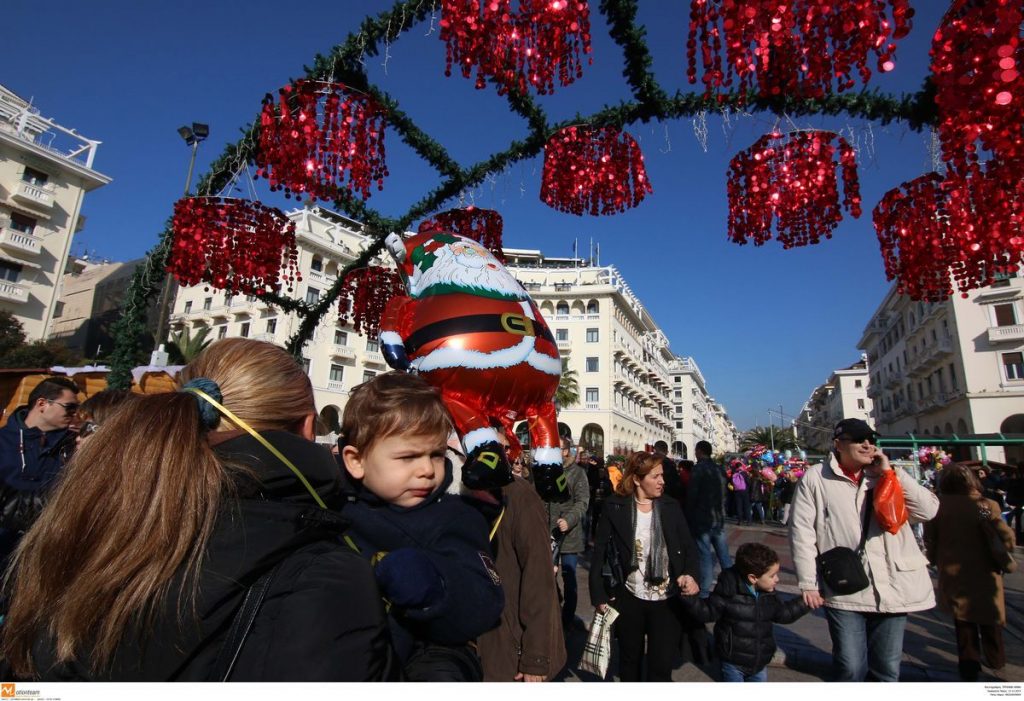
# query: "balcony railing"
{"points": [[333, 386], [1002, 334], [374, 358], [37, 195], [593, 406], [19, 241], [13, 292], [268, 337], [894, 380], [340, 351]]}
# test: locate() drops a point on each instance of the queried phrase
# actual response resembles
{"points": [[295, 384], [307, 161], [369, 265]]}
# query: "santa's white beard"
{"points": [[467, 271]]}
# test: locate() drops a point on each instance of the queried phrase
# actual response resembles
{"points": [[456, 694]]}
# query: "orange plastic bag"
{"points": [[614, 475], [890, 508]]}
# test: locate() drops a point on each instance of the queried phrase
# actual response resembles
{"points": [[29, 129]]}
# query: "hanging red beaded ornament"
{"points": [[918, 248], [231, 244], [937, 231], [791, 179], [482, 225], [986, 210], [977, 56], [364, 295], [799, 49], [593, 170], [545, 39], [321, 139]]}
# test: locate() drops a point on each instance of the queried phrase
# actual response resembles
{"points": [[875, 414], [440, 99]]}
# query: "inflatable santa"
{"points": [[471, 330]]}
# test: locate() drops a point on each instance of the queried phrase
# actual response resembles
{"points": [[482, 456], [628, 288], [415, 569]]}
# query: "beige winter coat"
{"points": [[827, 512]]}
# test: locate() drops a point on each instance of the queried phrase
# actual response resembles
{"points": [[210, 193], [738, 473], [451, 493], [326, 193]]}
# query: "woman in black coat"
{"points": [[644, 547], [170, 514]]}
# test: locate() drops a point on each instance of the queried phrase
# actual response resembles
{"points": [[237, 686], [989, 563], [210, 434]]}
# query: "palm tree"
{"points": [[764, 435], [568, 392], [185, 347]]}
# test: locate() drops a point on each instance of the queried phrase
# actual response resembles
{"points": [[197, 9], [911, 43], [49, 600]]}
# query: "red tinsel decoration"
{"points": [[482, 225], [544, 39], [791, 178], [593, 170], [321, 139], [795, 48], [231, 244], [977, 54], [937, 231], [364, 295]]}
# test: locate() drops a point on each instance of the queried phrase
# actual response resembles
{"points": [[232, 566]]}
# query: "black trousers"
{"points": [[969, 651], [655, 622]]}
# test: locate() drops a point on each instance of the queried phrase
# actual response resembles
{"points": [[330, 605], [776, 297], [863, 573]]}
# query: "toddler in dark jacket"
{"points": [[429, 549], [745, 607]]}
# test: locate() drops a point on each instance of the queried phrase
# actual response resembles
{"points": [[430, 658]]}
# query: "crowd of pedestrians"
{"points": [[203, 535]]}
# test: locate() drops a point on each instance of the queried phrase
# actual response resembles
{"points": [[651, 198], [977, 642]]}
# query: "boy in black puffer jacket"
{"points": [[745, 606]]}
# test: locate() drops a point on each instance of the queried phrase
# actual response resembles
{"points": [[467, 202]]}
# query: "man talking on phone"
{"points": [[831, 505]]}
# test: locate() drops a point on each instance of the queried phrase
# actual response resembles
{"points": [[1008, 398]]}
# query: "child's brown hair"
{"points": [[390, 404], [755, 559]]}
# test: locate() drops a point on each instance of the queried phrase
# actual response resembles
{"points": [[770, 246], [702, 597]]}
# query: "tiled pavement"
{"points": [[929, 653]]}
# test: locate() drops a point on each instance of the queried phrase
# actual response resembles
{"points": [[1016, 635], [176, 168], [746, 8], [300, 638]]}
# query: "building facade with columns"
{"points": [[950, 367], [621, 357], [45, 172]]}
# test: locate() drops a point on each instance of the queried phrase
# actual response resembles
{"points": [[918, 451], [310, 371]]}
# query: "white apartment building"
{"points": [[45, 171], [619, 353], [726, 435], [692, 407], [621, 357], [948, 367], [845, 395]]}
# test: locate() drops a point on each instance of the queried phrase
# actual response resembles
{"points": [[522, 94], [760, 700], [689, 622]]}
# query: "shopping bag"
{"points": [[890, 507], [597, 652]]}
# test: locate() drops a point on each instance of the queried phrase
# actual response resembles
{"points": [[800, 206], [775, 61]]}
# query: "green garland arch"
{"points": [[344, 63]]}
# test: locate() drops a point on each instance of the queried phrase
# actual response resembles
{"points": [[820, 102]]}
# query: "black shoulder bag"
{"points": [[841, 568], [241, 626]]}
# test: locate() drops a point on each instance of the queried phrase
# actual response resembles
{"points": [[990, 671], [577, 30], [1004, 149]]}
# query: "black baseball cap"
{"points": [[855, 430]]}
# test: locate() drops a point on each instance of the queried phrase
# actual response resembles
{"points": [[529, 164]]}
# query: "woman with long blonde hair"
{"points": [[644, 559], [184, 506]]}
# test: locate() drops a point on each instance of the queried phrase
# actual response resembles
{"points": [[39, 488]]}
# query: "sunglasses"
{"points": [[88, 428], [873, 440], [70, 408]]}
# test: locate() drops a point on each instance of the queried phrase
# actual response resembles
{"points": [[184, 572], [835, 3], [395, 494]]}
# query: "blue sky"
{"points": [[765, 325]]}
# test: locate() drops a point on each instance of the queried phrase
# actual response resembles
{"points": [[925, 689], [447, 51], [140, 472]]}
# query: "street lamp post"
{"points": [[192, 136]]}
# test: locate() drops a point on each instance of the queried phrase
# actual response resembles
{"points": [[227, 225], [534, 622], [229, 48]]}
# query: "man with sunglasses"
{"points": [[34, 445], [828, 511]]}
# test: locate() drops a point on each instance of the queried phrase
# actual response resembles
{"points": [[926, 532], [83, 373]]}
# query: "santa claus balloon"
{"points": [[471, 330]]}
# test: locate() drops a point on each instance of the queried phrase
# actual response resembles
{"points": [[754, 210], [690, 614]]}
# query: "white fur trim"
{"points": [[545, 363], [448, 357], [391, 338], [528, 310], [547, 456], [477, 437]]}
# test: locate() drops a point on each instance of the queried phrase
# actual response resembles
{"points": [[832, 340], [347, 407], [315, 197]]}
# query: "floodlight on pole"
{"points": [[192, 136]]}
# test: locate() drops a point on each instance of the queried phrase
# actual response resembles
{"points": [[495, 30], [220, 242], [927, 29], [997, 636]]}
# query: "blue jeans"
{"points": [[710, 544], [569, 562], [732, 673], [866, 645]]}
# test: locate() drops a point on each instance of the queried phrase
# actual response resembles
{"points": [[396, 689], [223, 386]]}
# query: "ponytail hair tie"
{"points": [[208, 413]]}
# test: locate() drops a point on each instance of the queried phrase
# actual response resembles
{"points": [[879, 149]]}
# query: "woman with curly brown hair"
{"points": [[651, 559], [187, 509]]}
